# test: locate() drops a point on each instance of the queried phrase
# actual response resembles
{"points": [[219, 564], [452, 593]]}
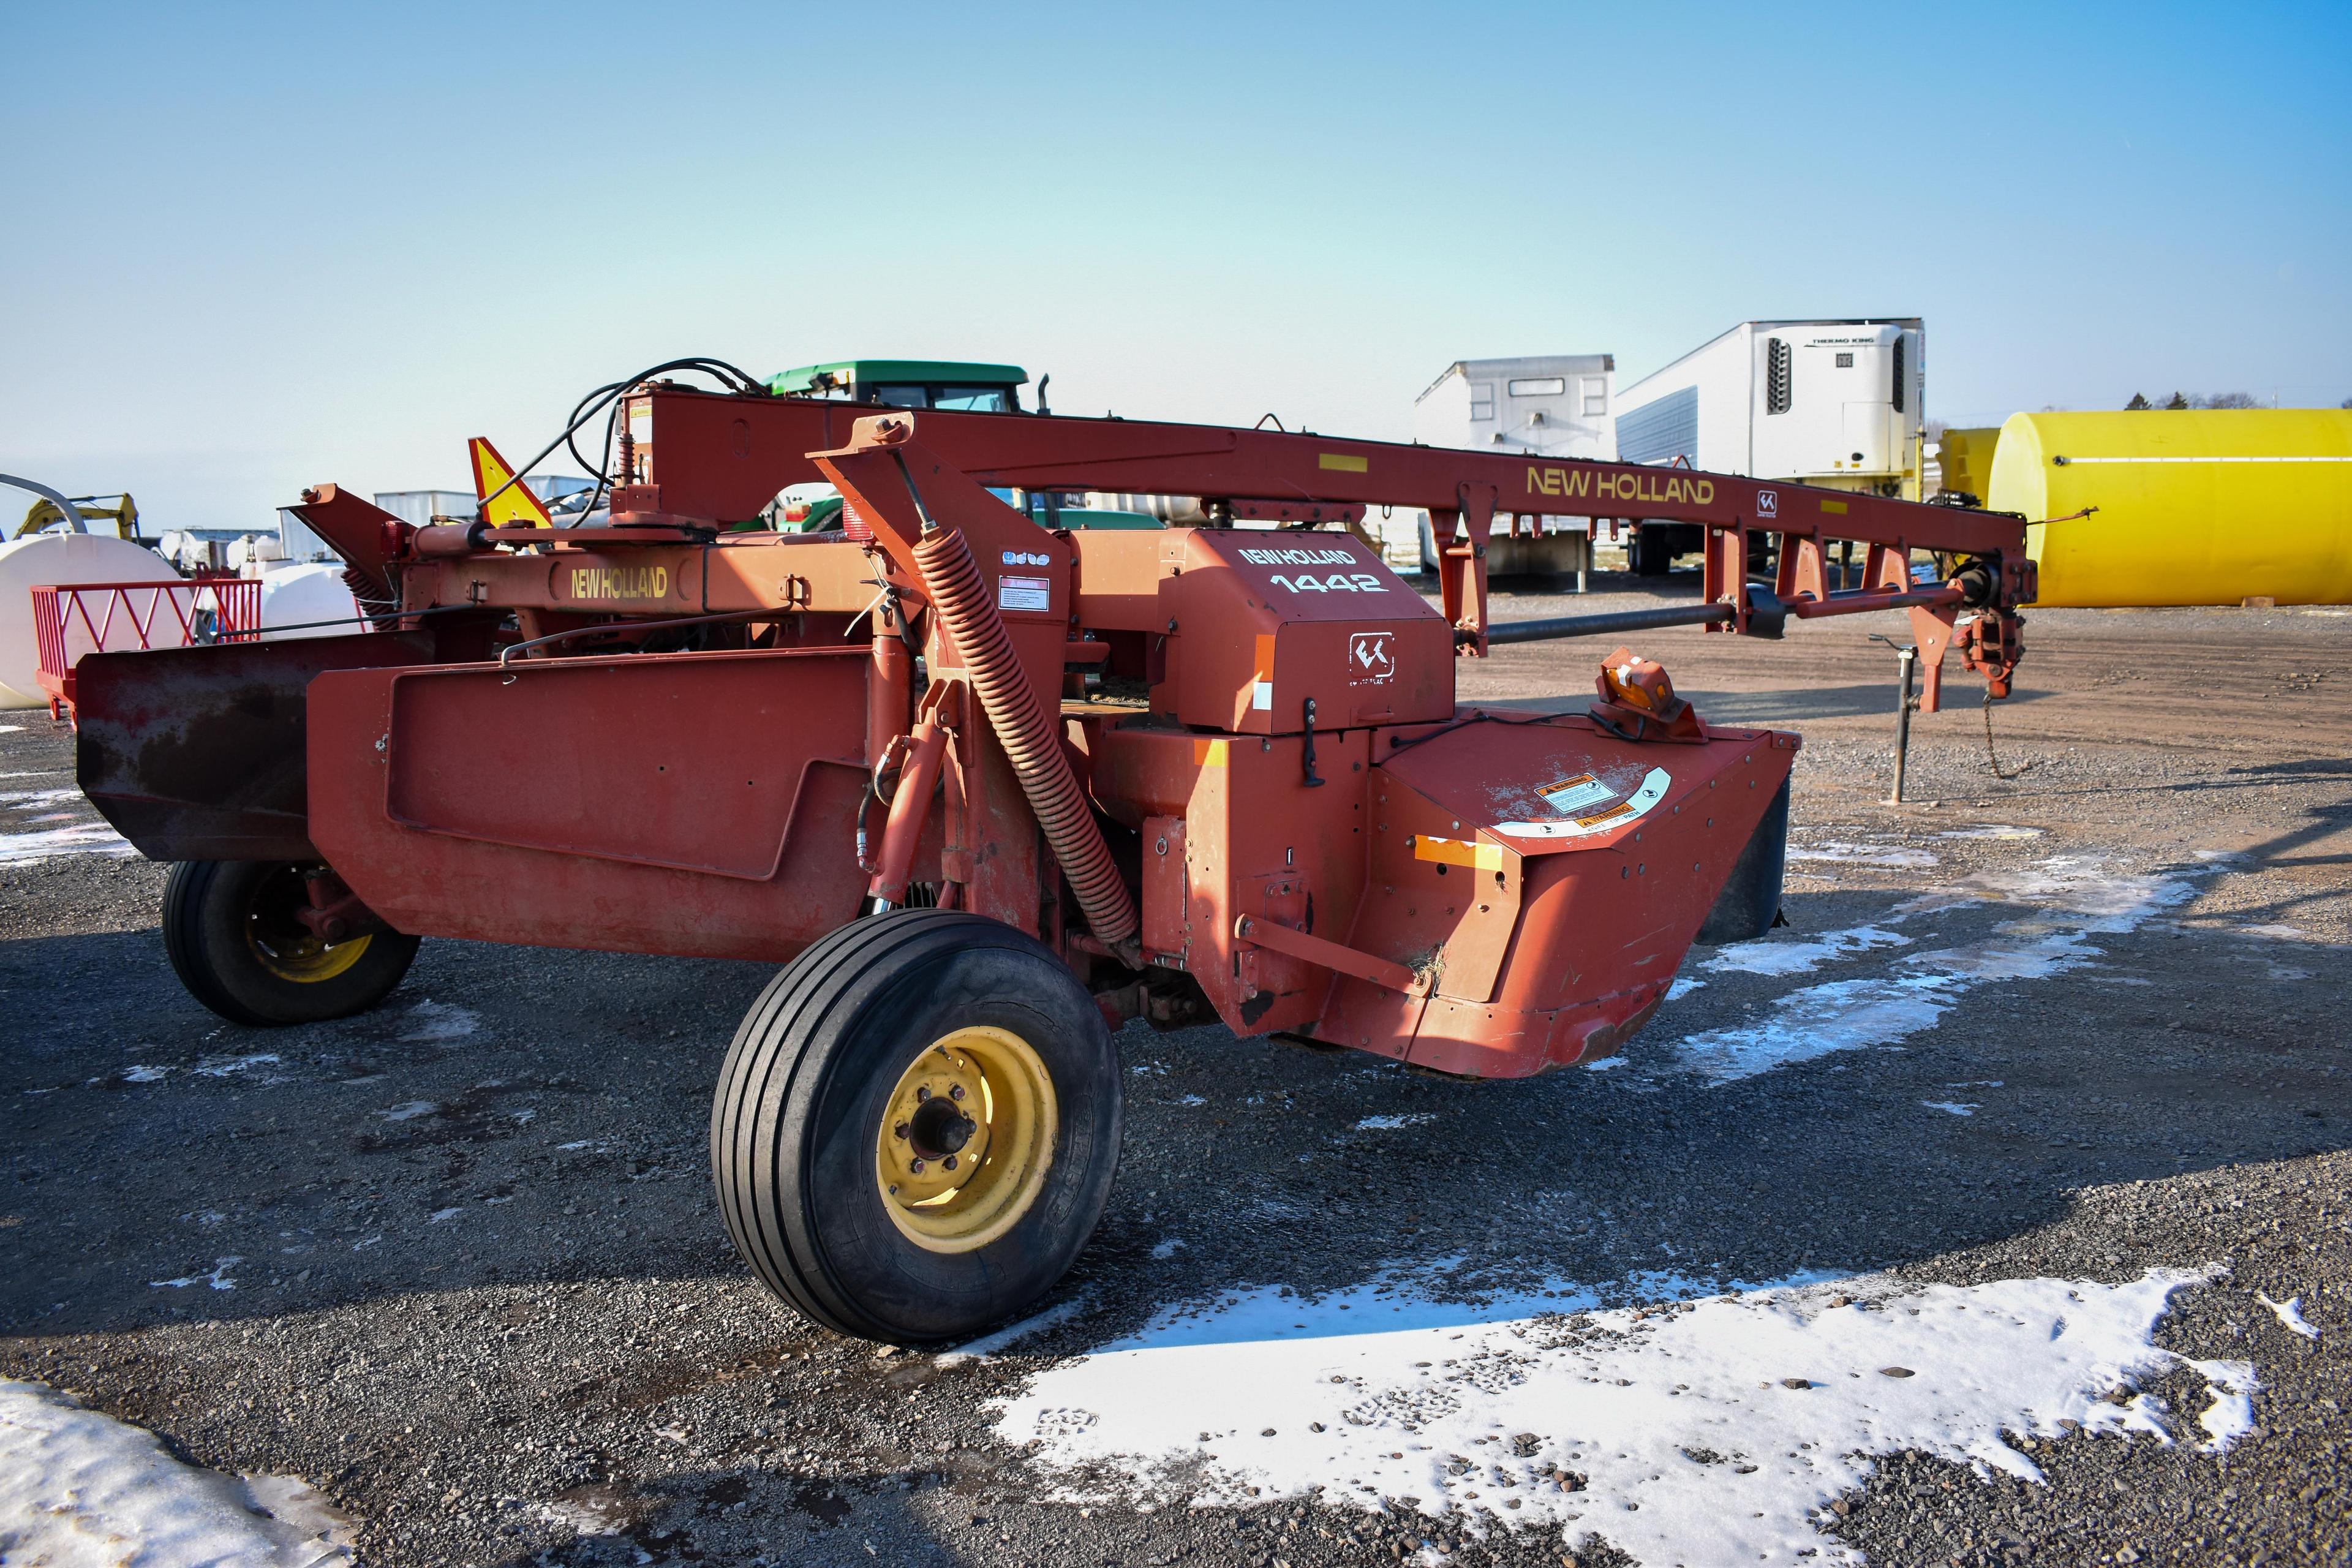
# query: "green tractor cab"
{"points": [[909, 383], [932, 384]]}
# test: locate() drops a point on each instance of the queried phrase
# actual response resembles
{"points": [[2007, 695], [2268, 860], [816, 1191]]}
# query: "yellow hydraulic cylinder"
{"points": [[2195, 506]]}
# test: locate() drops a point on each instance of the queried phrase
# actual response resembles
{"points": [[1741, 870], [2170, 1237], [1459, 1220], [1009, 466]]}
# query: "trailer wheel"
{"points": [[229, 927], [916, 1126]]}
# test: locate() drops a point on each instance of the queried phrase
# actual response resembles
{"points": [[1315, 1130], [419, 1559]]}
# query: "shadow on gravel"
{"points": [[1793, 705], [510, 1115], [543, 1119], [732, 1514]]}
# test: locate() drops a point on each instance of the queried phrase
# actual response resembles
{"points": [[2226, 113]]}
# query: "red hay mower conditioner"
{"points": [[988, 790]]}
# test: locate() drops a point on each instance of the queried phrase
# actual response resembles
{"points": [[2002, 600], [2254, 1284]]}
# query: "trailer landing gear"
{"points": [[235, 936], [916, 1126]]}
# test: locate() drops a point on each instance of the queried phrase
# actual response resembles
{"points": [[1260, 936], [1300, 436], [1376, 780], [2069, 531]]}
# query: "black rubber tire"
{"points": [[804, 1088], [208, 905], [1749, 904]]}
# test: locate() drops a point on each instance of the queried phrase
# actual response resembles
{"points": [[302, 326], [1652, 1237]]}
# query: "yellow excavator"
{"points": [[76, 512]]}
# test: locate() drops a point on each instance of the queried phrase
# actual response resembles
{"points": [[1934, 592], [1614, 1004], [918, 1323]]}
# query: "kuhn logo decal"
{"points": [[1768, 503], [1371, 658]]}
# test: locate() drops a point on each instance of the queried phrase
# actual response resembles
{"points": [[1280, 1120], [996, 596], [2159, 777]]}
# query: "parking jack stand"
{"points": [[1909, 658]]}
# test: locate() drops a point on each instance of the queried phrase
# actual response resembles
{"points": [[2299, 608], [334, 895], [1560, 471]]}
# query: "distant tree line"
{"points": [[2217, 400]]}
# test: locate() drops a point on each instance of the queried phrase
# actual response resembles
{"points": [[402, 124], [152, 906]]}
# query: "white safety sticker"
{"points": [[1025, 592], [1608, 819], [1573, 798], [1262, 696]]}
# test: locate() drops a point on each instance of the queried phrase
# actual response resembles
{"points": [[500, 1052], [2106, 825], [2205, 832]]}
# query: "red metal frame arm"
{"points": [[724, 458]]}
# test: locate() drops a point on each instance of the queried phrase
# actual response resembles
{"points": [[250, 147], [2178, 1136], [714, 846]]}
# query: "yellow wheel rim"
{"points": [[284, 945], [966, 1138]]}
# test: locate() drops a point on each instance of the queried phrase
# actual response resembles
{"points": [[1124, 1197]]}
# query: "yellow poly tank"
{"points": [[1966, 458], [2200, 506]]}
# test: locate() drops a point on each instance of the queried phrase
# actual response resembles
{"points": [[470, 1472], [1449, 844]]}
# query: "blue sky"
{"points": [[251, 247]]}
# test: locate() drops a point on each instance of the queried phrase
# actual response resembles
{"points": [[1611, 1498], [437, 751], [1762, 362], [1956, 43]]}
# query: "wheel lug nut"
{"points": [[922, 1094], [900, 1129], [948, 1161], [915, 1166], [956, 1093]]}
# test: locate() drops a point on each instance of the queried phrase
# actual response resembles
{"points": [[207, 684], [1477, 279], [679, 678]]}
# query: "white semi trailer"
{"points": [[1549, 406], [1831, 403]]}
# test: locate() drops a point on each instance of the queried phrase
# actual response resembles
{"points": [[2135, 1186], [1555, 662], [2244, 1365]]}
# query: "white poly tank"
{"points": [[68, 558], [298, 597]]}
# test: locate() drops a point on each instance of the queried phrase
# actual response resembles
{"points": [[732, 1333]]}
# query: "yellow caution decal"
{"points": [[1457, 852], [516, 506]]}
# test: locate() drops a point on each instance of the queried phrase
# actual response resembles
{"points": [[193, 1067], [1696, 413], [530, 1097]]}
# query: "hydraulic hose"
{"points": [[960, 596]]}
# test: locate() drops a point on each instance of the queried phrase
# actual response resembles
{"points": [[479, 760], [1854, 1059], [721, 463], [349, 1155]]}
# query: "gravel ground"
{"points": [[457, 1263]]}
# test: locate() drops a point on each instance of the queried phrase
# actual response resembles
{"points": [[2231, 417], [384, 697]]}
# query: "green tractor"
{"points": [[932, 384]]}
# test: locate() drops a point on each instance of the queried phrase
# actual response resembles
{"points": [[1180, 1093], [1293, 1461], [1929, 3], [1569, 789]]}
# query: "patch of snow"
{"points": [[1387, 1124], [77, 1487], [1605, 1063], [1991, 830], [1837, 1015], [1953, 1106], [1168, 1248], [437, 1215], [223, 1067], [568, 1148], [1012, 1333], [40, 845], [218, 1278], [136, 1074], [1710, 1429], [409, 1110], [2286, 932], [2289, 1313], [34, 799], [1189, 1100], [2070, 898], [2081, 885], [1684, 987], [1766, 956], [588, 1514], [1899, 857], [431, 1021], [2231, 1414]]}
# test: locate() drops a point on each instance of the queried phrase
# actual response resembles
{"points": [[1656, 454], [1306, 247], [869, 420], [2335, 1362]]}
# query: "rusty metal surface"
{"points": [[196, 754]]}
